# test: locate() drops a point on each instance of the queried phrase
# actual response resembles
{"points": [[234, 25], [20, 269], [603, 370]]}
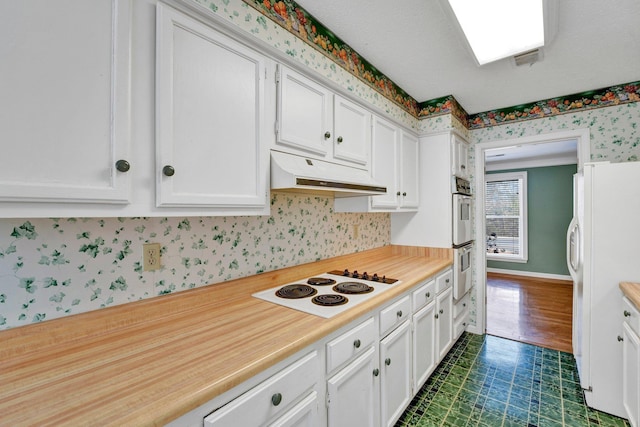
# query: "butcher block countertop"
{"points": [[151, 361], [632, 291]]}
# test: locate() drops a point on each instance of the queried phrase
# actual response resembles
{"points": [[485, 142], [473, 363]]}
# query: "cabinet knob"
{"points": [[620, 338], [464, 304], [387, 361], [399, 313], [168, 170], [123, 166], [404, 194], [356, 343], [463, 167], [276, 399], [340, 140], [441, 311], [447, 280], [398, 193], [376, 372], [327, 135], [436, 316], [626, 313], [428, 294]]}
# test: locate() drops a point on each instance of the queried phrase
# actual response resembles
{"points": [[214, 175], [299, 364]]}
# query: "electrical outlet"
{"points": [[356, 231], [151, 256]]}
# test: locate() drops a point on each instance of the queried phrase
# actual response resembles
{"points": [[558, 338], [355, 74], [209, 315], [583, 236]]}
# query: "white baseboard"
{"points": [[529, 274]]}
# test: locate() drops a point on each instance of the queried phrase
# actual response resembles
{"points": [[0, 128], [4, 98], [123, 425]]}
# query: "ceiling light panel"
{"points": [[497, 29]]}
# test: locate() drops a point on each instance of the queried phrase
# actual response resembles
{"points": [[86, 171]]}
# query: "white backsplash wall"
{"points": [[50, 268]]}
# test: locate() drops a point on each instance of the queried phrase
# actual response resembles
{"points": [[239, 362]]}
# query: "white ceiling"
{"points": [[532, 155], [416, 44]]}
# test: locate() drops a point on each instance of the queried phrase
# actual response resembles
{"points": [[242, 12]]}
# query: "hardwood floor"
{"points": [[531, 310]]}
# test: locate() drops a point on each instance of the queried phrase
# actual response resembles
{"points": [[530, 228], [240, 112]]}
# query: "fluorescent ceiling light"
{"points": [[497, 29]]}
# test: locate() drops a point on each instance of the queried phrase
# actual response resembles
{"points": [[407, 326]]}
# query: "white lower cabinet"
{"points": [[444, 320], [275, 397], [395, 367], [631, 363], [424, 334], [353, 393]]}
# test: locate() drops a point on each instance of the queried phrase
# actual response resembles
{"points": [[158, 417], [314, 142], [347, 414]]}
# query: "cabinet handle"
{"points": [[464, 304], [376, 372], [399, 313], [436, 316], [123, 166], [327, 135], [428, 294], [463, 167], [339, 140], [398, 193], [620, 338], [276, 399], [387, 361], [447, 281], [626, 313], [404, 194], [441, 311], [168, 170], [356, 343]]}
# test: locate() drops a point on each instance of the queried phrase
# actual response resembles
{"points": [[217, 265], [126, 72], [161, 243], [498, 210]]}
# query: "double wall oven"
{"points": [[462, 239]]}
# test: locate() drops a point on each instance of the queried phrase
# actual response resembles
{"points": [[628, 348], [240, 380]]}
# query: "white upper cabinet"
{"points": [[459, 157], [385, 162], [305, 113], [65, 111], [312, 120], [352, 134], [210, 94], [409, 171]]}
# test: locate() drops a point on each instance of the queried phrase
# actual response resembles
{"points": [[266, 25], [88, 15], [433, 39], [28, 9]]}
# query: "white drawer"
{"points": [[631, 315], [350, 344], [444, 281], [270, 397], [459, 325], [395, 314], [424, 295], [461, 306]]}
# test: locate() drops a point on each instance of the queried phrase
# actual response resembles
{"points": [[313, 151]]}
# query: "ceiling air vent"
{"points": [[529, 57]]}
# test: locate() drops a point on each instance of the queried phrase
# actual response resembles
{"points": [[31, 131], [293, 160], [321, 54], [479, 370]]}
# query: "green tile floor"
{"points": [[491, 381]]}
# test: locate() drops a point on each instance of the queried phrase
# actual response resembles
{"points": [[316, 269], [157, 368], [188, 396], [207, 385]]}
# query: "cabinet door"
{"points": [[424, 338], [210, 98], [304, 414], [65, 113], [409, 169], [460, 157], [304, 116], [444, 322], [631, 374], [395, 366], [385, 162], [353, 393], [352, 132]]}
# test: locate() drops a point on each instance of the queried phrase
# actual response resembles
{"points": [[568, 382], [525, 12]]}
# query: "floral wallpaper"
{"points": [[50, 268]]}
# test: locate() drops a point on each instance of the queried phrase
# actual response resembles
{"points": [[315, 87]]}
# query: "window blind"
{"points": [[503, 216]]}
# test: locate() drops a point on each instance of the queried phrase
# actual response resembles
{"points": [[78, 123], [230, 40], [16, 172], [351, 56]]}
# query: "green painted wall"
{"points": [[550, 209]]}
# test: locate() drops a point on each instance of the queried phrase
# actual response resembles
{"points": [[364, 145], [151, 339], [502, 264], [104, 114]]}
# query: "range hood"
{"points": [[297, 173]]}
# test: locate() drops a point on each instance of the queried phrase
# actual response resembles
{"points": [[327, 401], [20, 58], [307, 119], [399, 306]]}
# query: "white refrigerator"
{"points": [[601, 253]]}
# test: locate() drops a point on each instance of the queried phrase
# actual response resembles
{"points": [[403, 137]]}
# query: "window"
{"points": [[506, 216]]}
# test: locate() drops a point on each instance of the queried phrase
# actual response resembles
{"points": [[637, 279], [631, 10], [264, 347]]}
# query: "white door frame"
{"points": [[584, 155]]}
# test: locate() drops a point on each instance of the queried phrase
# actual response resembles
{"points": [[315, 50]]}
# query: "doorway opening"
{"points": [[521, 306]]}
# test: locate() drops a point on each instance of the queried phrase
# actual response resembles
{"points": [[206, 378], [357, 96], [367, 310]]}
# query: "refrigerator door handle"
{"points": [[573, 251]]}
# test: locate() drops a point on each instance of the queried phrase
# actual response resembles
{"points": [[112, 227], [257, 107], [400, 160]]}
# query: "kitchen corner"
{"points": [[151, 361]]}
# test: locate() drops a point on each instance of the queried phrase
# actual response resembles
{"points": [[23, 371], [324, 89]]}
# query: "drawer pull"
{"points": [[340, 140], [428, 294], [399, 313], [276, 399], [376, 372], [464, 304], [356, 343], [168, 170], [436, 316], [387, 361], [327, 135], [620, 338], [447, 280], [123, 166], [626, 313]]}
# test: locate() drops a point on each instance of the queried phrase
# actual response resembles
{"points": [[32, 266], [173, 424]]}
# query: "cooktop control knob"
{"points": [[355, 274], [375, 277], [365, 276], [345, 272]]}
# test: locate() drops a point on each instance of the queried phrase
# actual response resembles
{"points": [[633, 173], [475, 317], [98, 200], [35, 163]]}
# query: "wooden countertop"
{"points": [[632, 291], [151, 361]]}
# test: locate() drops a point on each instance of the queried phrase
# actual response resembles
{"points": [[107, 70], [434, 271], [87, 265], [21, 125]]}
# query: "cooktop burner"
{"points": [[321, 281], [296, 291], [329, 299], [352, 288]]}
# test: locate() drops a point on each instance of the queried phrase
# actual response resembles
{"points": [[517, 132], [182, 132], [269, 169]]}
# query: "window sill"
{"points": [[520, 260]]}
